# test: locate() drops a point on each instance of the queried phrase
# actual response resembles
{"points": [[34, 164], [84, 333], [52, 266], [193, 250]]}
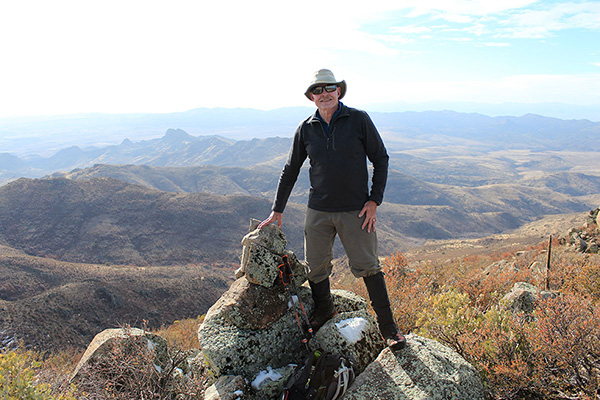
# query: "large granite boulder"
{"points": [[129, 341], [247, 348], [425, 369], [355, 335]]}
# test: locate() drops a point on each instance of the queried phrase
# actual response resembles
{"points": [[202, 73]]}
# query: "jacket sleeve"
{"points": [[377, 155], [290, 172]]}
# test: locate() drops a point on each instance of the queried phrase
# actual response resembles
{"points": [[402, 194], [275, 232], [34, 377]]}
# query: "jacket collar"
{"points": [[342, 111]]}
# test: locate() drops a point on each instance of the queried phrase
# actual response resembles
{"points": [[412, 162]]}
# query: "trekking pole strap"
{"points": [[287, 278]]}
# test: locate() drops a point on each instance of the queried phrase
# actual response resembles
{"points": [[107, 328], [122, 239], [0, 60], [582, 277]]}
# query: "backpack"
{"points": [[323, 376]]}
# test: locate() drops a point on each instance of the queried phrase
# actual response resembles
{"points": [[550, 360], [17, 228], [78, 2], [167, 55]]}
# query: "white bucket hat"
{"points": [[325, 77]]}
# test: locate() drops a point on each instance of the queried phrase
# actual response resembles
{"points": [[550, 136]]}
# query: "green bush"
{"points": [[20, 380]]}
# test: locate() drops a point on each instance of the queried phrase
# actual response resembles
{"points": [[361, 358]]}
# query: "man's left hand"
{"points": [[370, 210]]}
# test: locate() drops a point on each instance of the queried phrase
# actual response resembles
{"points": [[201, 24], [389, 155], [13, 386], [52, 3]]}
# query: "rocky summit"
{"points": [[251, 339]]}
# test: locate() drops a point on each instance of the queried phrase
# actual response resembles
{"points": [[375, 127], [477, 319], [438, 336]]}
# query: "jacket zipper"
{"points": [[332, 137]]}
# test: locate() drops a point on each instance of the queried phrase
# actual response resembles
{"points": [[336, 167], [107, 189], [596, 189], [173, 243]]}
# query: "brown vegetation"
{"points": [[553, 353]]}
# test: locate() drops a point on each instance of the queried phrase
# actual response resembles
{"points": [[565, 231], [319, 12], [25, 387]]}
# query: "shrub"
{"points": [[182, 334], [19, 377], [448, 317], [565, 347], [587, 281]]}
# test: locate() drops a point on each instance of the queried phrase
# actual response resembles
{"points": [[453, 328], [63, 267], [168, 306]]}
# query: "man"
{"points": [[338, 140]]}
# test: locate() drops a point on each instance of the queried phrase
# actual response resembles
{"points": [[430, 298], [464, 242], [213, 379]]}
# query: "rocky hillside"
{"points": [[551, 194], [109, 221], [52, 305], [105, 220]]}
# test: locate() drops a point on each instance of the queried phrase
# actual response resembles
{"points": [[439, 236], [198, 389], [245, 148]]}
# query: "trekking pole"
{"points": [[287, 277]]}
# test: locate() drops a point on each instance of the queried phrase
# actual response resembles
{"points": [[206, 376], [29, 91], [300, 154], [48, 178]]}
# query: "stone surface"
{"points": [[270, 237], [249, 306], [104, 341], [337, 336], [262, 254], [346, 301], [425, 369], [268, 384], [261, 267], [522, 297], [231, 350], [227, 388]]}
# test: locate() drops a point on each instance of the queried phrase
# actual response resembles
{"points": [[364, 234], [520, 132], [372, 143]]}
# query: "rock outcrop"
{"points": [[585, 239], [523, 296], [108, 339], [252, 330], [252, 335], [425, 369], [251, 341]]}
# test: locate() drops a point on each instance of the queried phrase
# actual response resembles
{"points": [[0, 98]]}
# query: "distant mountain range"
{"points": [[417, 142], [47, 135]]}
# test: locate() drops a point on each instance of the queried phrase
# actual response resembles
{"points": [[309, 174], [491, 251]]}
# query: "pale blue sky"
{"points": [[62, 57]]}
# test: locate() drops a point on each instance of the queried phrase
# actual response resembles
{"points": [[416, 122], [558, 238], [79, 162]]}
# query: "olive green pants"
{"points": [[320, 229]]}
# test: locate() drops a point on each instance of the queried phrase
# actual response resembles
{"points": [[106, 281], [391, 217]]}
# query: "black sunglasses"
{"points": [[319, 89]]}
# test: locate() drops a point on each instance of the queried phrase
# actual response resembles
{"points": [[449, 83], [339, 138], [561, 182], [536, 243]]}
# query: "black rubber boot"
{"points": [[324, 307], [381, 305]]}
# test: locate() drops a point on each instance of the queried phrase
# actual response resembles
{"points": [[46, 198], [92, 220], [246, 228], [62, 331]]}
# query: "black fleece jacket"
{"points": [[338, 172]]}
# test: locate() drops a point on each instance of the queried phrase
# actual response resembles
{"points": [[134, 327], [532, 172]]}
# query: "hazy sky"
{"points": [[161, 56]]}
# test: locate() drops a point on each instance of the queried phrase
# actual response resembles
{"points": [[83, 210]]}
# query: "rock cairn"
{"points": [[252, 331], [251, 341]]}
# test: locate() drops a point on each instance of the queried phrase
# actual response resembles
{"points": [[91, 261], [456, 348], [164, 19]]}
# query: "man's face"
{"points": [[326, 99]]}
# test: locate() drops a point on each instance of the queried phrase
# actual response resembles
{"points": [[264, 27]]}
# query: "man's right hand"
{"points": [[275, 216]]}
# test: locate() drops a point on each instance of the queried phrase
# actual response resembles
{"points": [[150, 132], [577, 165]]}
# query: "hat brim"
{"points": [[341, 85]]}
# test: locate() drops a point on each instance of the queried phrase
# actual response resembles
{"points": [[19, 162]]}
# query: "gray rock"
{"points": [[227, 388], [593, 248], [522, 297], [257, 244], [261, 265], [268, 384], [231, 350], [346, 301], [299, 269], [355, 335], [104, 342], [269, 237], [544, 294], [582, 245], [500, 266], [249, 306], [425, 369], [261, 268]]}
